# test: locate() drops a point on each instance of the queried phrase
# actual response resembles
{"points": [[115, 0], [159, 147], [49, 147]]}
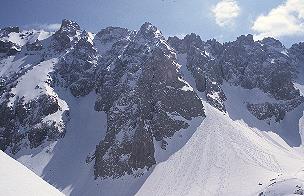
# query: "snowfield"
{"points": [[224, 157], [17, 180], [34, 82], [284, 187]]}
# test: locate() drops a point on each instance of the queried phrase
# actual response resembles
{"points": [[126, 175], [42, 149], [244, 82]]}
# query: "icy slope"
{"points": [[224, 157], [17, 180]]}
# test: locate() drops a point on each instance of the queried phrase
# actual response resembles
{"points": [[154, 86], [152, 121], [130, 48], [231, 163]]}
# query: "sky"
{"points": [[224, 20]]}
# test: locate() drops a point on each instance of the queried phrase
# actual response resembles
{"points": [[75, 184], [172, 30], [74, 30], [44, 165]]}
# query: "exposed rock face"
{"points": [[25, 120], [8, 48], [35, 46], [277, 111], [202, 62], [66, 35], [7, 30], [148, 99], [297, 53], [78, 66], [263, 64], [137, 79], [44, 131], [113, 41]]}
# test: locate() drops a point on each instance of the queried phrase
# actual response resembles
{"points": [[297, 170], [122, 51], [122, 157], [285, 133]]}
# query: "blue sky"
{"points": [[220, 19]]}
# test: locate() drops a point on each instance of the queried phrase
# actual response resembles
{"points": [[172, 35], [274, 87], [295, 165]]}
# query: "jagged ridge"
{"points": [[138, 82]]}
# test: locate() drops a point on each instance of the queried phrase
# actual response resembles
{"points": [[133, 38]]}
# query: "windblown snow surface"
{"points": [[224, 157], [17, 180]]}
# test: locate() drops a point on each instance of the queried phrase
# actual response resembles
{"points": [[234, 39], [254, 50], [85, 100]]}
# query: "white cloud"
{"points": [[285, 20], [51, 27], [45, 27], [225, 12], [179, 35]]}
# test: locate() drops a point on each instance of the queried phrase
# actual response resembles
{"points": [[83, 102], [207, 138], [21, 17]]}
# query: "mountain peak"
{"points": [[269, 41], [149, 30], [69, 26], [112, 33], [193, 38], [245, 39]]}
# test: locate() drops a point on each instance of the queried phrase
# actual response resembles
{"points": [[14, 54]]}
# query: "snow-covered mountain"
{"points": [[124, 112], [17, 180]]}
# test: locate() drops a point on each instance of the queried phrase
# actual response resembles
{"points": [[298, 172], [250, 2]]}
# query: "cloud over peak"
{"points": [[45, 27], [285, 20], [225, 12]]}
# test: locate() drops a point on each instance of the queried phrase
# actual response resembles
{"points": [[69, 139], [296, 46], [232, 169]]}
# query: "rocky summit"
{"points": [[152, 90]]}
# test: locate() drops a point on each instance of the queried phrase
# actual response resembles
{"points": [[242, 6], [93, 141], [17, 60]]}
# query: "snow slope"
{"points": [[17, 180], [233, 153], [223, 157], [27, 36], [291, 186], [34, 82]]}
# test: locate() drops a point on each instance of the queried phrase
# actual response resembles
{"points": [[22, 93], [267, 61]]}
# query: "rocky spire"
{"points": [[66, 34], [69, 27], [147, 30]]}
